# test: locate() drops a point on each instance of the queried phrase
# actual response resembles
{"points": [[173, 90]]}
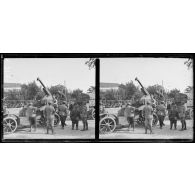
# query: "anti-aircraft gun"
{"points": [[147, 96], [47, 98]]}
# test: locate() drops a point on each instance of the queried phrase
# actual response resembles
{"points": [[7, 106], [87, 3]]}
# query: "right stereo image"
{"points": [[146, 98]]}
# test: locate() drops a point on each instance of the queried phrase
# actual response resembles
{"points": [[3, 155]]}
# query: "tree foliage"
{"points": [[173, 93], [189, 63], [90, 63]]}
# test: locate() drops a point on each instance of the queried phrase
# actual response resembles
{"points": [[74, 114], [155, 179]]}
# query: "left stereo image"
{"points": [[48, 98]]}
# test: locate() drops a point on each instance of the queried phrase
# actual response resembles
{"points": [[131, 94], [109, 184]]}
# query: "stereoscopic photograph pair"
{"points": [[97, 98]]}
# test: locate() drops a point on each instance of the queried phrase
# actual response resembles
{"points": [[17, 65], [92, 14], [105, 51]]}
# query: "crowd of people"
{"points": [[173, 111], [76, 111]]}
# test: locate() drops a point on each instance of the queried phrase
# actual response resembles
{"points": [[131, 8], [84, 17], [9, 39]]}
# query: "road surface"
{"points": [[165, 133], [66, 133]]}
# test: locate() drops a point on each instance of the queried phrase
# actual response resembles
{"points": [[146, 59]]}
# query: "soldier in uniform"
{"points": [[31, 115], [161, 112], [148, 115], [84, 115], [182, 116], [130, 114], [173, 116], [49, 112], [75, 116], [63, 112]]}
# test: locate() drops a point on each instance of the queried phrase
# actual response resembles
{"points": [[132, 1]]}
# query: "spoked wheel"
{"points": [[107, 124], [56, 120], [93, 114], [9, 125], [155, 120], [191, 114]]}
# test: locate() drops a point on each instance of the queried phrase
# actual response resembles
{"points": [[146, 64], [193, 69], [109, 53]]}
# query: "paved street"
{"points": [[165, 133], [66, 133]]}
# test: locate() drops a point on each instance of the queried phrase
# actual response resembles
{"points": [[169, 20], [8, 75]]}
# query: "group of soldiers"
{"points": [[174, 113], [77, 112]]}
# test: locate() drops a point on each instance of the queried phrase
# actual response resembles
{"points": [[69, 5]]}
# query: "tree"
{"points": [[56, 88], [189, 63], [173, 93], [188, 89], [91, 89], [109, 95], [79, 96], [130, 89], [91, 63], [29, 91]]}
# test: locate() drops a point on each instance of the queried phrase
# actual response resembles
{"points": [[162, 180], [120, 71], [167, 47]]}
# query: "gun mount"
{"points": [[46, 91], [143, 89], [48, 96]]}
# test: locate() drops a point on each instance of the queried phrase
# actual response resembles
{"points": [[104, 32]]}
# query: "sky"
{"points": [[52, 71], [150, 71]]}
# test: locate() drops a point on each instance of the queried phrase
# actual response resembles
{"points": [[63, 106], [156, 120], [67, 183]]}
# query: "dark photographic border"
{"points": [[97, 80]]}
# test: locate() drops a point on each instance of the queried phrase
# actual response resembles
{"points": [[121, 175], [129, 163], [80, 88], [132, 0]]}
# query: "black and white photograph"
{"points": [[48, 98], [146, 98]]}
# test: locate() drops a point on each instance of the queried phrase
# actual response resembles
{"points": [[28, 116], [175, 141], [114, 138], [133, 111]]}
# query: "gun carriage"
{"points": [[111, 122], [47, 98]]}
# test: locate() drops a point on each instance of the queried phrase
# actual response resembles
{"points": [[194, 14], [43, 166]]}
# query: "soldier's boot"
{"points": [[86, 125], [77, 125]]}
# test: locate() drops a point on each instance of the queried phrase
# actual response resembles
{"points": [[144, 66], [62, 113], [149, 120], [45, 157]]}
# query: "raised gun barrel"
{"points": [[145, 92], [47, 92]]}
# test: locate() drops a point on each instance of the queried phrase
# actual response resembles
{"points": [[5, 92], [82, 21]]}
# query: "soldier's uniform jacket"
{"points": [[63, 110], [129, 111], [75, 113], [161, 110], [173, 114], [49, 111], [84, 113], [182, 111]]}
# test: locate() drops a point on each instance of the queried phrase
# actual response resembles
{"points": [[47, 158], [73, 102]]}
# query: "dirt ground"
{"points": [[66, 133], [165, 133]]}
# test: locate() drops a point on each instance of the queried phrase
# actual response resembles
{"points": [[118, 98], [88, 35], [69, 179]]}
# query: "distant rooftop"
{"points": [[109, 85], [12, 85]]}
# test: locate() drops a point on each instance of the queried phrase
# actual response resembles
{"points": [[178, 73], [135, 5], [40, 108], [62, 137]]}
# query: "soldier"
{"points": [[173, 116], [148, 115], [31, 115], [75, 116], [182, 116], [130, 114], [161, 112], [84, 115], [63, 112], [49, 115]]}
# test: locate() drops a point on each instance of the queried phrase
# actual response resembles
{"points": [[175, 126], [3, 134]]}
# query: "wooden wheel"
{"points": [[107, 124], [56, 120], [93, 114], [9, 125]]}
